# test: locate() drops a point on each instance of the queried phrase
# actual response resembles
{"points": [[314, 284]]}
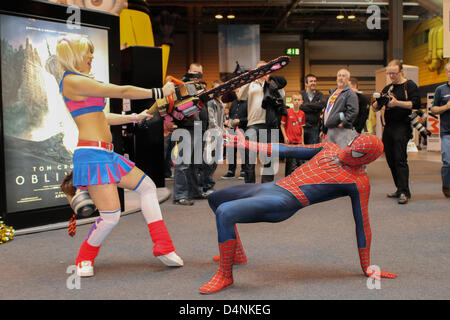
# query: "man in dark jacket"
{"points": [[363, 104], [313, 105], [186, 185], [237, 118]]}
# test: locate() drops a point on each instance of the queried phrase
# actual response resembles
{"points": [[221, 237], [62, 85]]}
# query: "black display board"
{"points": [[142, 67], [34, 156]]}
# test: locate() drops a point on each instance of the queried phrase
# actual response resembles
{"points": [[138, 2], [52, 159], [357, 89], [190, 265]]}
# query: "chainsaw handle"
{"points": [[174, 80]]}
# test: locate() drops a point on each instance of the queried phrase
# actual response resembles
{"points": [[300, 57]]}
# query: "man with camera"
{"points": [[186, 186], [265, 107], [441, 106], [398, 99]]}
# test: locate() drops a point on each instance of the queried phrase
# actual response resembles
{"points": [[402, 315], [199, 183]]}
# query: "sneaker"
{"points": [[241, 176], [85, 269], [229, 175], [184, 202], [171, 259], [446, 192], [207, 193]]}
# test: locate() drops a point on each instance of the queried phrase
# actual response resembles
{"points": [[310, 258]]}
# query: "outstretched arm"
{"points": [[299, 151], [80, 86], [360, 202], [115, 119]]}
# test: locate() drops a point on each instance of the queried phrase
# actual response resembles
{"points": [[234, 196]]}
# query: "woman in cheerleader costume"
{"points": [[96, 166]]}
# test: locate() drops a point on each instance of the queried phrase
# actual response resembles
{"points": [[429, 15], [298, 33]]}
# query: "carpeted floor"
{"points": [[311, 256]]}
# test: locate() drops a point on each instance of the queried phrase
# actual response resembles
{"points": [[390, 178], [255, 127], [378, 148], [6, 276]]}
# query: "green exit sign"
{"points": [[293, 51]]}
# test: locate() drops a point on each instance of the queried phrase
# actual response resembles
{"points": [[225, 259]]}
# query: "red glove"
{"points": [[370, 273], [239, 141]]}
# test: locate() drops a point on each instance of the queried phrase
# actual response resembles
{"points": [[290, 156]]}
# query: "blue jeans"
{"points": [[445, 150]]}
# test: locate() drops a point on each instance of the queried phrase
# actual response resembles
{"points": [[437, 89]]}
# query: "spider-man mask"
{"points": [[362, 150]]}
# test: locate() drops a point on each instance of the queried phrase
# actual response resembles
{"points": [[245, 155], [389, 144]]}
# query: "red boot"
{"points": [[240, 257], [163, 248], [224, 275]]}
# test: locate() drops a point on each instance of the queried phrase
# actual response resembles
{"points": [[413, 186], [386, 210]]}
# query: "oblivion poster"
{"points": [[39, 133]]}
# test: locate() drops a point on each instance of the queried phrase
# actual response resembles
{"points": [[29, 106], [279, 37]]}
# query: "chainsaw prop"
{"points": [[190, 97]]}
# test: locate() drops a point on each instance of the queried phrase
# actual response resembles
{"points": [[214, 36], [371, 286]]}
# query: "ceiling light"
{"points": [[340, 17], [231, 16], [351, 17], [218, 16]]}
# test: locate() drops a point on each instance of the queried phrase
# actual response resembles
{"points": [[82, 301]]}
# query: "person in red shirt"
{"points": [[291, 127]]}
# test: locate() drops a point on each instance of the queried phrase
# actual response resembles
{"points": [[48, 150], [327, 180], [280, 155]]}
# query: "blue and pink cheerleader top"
{"points": [[94, 162]]}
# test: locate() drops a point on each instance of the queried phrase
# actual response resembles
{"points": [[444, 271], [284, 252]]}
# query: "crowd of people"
{"points": [[259, 109]]}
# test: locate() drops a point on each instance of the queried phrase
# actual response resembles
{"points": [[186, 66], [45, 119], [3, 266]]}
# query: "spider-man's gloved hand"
{"points": [[370, 273]]}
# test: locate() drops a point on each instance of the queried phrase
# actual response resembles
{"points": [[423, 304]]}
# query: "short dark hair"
{"points": [[354, 81], [309, 75]]}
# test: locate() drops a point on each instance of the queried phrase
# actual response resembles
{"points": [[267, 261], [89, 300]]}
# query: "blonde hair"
{"points": [[70, 52], [396, 62]]}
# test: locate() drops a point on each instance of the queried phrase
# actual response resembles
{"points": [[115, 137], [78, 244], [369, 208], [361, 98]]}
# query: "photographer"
{"points": [[399, 99], [274, 101], [274, 104], [265, 105]]}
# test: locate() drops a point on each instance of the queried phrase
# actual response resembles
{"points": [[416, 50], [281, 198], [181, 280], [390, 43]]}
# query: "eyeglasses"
{"points": [[392, 73]]}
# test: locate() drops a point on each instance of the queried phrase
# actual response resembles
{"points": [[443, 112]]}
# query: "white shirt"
{"points": [[254, 94]]}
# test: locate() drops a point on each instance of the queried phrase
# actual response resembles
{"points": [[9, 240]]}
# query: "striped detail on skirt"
{"points": [[93, 166]]}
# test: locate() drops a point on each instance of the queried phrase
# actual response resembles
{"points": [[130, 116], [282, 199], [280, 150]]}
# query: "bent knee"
{"points": [[110, 218], [214, 200], [146, 185]]}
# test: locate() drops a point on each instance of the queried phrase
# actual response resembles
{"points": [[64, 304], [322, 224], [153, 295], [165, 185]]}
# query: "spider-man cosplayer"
{"points": [[331, 172]]}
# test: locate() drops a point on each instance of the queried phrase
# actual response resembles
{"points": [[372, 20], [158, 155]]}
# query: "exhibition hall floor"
{"points": [[313, 255]]}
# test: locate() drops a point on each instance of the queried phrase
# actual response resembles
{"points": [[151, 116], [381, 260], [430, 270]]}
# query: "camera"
{"points": [[414, 119], [382, 99], [82, 204]]}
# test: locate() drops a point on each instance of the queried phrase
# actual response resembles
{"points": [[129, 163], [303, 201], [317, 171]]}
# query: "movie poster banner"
{"points": [[39, 133], [233, 41]]}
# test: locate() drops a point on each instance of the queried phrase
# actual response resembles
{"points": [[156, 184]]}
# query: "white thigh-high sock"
{"points": [[149, 200], [102, 227]]}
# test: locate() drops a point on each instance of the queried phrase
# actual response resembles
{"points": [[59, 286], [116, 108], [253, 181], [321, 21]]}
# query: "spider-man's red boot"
{"points": [[240, 257], [224, 275]]}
